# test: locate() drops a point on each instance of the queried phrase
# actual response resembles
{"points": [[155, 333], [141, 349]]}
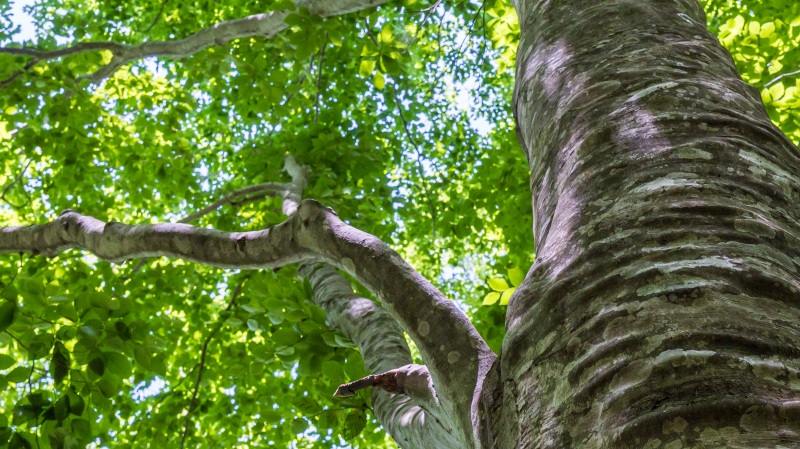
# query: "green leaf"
{"points": [[329, 419], [491, 298], [354, 424], [6, 361], [366, 68], [91, 331], [97, 364], [754, 27], [40, 346], [253, 309], [7, 312], [19, 374], [285, 337], [253, 325], [117, 364], [379, 81], [498, 284], [76, 404], [19, 442], [354, 366], [307, 405], [516, 276], [777, 90], [59, 364], [61, 408], [57, 437], [142, 357], [98, 300], [507, 295], [386, 33], [107, 387], [81, 428], [343, 341], [369, 50], [123, 331], [71, 442], [299, 425], [767, 30], [333, 370], [294, 19]]}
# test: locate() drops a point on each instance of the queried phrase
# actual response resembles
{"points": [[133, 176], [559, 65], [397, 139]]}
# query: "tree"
{"points": [[659, 312]]}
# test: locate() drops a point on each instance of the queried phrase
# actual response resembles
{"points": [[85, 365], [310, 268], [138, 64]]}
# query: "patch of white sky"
{"points": [[19, 17]]}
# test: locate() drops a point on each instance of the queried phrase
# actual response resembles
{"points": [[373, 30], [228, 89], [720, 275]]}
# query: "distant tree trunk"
{"points": [[662, 310]]}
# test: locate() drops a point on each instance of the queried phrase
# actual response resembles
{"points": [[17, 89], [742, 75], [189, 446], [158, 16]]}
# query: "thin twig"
{"points": [[778, 78], [249, 199], [18, 180], [203, 354], [266, 25], [369, 33], [319, 77], [80, 47], [13, 278], [18, 73], [158, 17], [429, 12], [474, 20], [17, 340], [159, 401], [420, 168], [276, 188]]}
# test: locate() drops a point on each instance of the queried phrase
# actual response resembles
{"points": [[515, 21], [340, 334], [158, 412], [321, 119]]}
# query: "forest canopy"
{"points": [[402, 115]]}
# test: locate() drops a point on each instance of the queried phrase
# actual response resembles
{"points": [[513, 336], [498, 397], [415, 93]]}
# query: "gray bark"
{"points": [[412, 421], [661, 311]]}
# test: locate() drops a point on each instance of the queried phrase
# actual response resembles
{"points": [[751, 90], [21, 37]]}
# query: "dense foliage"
{"points": [[402, 114]]}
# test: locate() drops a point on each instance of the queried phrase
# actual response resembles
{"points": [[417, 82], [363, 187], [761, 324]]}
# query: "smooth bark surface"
{"points": [[662, 308], [412, 421]]}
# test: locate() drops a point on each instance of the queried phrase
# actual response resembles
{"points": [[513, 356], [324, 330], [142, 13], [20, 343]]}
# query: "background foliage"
{"points": [[403, 115]]}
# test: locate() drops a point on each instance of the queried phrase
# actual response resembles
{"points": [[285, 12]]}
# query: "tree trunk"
{"points": [[661, 311]]}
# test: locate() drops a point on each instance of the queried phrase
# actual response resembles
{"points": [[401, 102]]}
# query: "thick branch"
{"points": [[266, 25], [293, 194], [414, 422], [451, 347], [453, 350], [116, 242]]}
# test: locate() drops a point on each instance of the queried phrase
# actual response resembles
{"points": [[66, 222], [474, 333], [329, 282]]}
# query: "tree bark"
{"points": [[662, 310], [411, 422]]}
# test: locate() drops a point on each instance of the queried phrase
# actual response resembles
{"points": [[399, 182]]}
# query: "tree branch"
{"points": [[453, 350], [289, 191], [273, 188], [414, 422], [293, 194], [455, 354], [412, 380], [202, 363], [267, 25]]}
